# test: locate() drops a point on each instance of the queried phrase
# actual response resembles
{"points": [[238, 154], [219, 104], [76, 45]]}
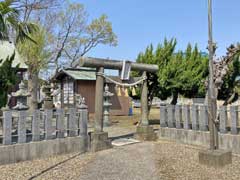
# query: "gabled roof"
{"points": [[77, 74], [88, 74], [7, 49]]}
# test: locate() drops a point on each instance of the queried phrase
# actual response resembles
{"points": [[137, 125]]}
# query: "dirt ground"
{"points": [[154, 115], [161, 160], [126, 125]]}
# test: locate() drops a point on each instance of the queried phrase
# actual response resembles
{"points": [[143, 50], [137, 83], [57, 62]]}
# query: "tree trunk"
{"points": [[206, 98], [174, 98], [230, 99], [33, 89]]}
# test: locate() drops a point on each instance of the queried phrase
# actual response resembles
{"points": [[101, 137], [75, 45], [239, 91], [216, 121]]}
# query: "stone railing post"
{"points": [[83, 121], [178, 116], [234, 119], [60, 123], [171, 116], [22, 117], [72, 122], [223, 119], [186, 117], [203, 118], [36, 126], [163, 115], [48, 113], [7, 127], [195, 117]]}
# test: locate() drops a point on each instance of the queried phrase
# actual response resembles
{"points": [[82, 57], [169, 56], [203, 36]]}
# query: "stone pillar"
{"points": [[178, 116], [83, 121], [36, 126], [171, 115], [60, 123], [186, 117], [99, 139], [98, 127], [144, 102], [22, 137], [7, 127], [163, 116], [223, 119], [145, 132], [234, 119], [48, 124], [203, 120], [195, 117], [72, 123]]}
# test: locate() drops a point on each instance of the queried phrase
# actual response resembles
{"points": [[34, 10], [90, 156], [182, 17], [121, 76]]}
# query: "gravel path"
{"points": [[142, 161], [130, 162]]}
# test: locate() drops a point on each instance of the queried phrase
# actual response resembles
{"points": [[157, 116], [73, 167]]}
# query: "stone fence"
{"points": [[42, 133], [195, 117], [189, 124]]}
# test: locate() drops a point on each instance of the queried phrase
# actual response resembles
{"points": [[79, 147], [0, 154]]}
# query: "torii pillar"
{"points": [[99, 138], [144, 131]]}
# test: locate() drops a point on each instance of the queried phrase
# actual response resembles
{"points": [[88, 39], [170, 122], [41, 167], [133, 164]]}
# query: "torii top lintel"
{"points": [[115, 64]]}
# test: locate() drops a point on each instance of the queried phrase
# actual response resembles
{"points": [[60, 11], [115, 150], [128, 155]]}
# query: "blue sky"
{"points": [[137, 23]]}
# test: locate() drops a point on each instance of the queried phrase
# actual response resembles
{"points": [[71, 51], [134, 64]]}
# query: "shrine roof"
{"points": [[77, 74]]}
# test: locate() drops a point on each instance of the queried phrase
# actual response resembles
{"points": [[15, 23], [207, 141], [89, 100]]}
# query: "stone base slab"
{"points": [[145, 133], [215, 158], [41, 149], [200, 138], [100, 141]]}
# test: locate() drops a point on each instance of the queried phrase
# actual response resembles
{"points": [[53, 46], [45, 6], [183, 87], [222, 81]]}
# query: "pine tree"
{"points": [[179, 73], [8, 77]]}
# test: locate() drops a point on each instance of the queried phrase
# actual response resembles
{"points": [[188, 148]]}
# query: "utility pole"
{"points": [[212, 99], [213, 156]]}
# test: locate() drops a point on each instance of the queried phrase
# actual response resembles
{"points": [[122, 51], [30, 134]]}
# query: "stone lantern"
{"points": [[21, 96], [48, 100], [106, 104]]}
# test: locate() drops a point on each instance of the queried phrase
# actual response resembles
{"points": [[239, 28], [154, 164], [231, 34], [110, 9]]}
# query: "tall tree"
{"points": [[36, 57], [30, 8], [14, 29], [161, 56], [72, 35], [179, 73], [192, 72]]}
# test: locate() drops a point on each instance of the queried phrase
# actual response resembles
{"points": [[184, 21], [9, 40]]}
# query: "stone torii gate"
{"points": [[99, 138]]}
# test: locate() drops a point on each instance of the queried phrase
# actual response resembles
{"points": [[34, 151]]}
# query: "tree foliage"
{"points": [[71, 35], [11, 27], [179, 73], [35, 55], [229, 90], [8, 77]]}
